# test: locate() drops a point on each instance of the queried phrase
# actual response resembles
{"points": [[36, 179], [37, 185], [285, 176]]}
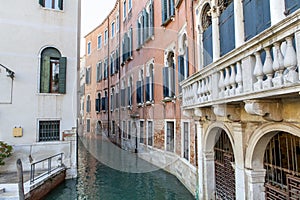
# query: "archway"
{"points": [[219, 163], [272, 162]]}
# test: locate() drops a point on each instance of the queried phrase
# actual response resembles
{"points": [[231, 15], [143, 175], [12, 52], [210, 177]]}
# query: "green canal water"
{"points": [[108, 173]]}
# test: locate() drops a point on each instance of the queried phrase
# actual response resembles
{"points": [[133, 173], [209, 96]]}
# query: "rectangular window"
{"points": [[88, 76], [113, 30], [186, 140], [105, 37], [123, 100], [170, 136], [88, 125], [49, 130], [89, 48], [52, 4], [99, 72], [99, 46], [150, 133], [168, 10], [124, 10], [113, 127], [105, 68], [142, 132], [88, 104]]}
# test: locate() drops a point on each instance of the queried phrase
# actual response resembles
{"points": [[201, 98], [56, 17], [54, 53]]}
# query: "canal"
{"points": [[107, 172]]}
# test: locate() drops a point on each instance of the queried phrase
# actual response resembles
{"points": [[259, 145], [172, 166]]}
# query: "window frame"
{"points": [[183, 122], [56, 137], [89, 48], [113, 24], [105, 37], [147, 133], [99, 42], [55, 4], [174, 135]]}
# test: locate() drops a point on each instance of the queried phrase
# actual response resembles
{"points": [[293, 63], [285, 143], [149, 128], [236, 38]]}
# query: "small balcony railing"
{"points": [[45, 166], [263, 67]]}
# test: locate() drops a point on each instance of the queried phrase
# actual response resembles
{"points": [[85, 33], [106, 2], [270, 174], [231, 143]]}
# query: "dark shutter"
{"points": [[249, 18], [123, 97], [187, 62], [45, 75], [130, 42], [106, 103], [147, 88], [100, 71], [138, 92], [117, 60], [103, 103], [227, 35], [97, 105], [128, 96], [41, 2], [164, 10], [60, 4], [151, 25], [117, 100], [263, 19], [207, 46], [291, 6], [139, 33], [146, 25], [123, 50], [62, 75], [166, 81], [172, 8], [172, 79], [180, 68]]}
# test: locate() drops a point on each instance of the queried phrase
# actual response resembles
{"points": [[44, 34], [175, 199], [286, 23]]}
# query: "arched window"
{"points": [[140, 88], [169, 76], [150, 83], [183, 60], [98, 102], [256, 17], [52, 71], [207, 36]]}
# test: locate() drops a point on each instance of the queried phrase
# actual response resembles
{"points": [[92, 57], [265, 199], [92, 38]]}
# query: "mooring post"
{"points": [[20, 180]]}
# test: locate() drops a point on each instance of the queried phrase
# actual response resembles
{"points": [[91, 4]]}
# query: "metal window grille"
{"points": [[49, 130], [282, 165]]}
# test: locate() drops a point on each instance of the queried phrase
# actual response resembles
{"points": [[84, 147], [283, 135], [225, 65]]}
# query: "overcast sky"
{"points": [[93, 12]]}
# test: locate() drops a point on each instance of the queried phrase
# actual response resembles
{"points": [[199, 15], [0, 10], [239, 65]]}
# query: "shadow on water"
{"points": [[96, 180]]}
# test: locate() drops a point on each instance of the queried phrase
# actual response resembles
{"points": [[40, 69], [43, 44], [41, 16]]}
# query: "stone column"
{"points": [[215, 30], [200, 160], [239, 153], [209, 175], [238, 23], [256, 180], [277, 8]]}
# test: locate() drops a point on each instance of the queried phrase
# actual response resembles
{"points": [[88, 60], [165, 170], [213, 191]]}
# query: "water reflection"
{"points": [[98, 181]]}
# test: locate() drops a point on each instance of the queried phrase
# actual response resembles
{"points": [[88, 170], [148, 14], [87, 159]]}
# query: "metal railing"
{"points": [[45, 167]]}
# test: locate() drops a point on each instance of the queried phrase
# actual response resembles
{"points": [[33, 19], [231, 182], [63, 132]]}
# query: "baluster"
{"points": [[209, 88], [199, 91], [206, 89], [268, 69], [227, 81], [194, 92], [232, 80], [278, 66], [221, 84], [258, 72], [239, 78], [202, 90], [290, 62]]}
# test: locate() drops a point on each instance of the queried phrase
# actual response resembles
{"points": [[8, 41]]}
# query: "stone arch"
{"points": [[212, 133], [260, 139]]}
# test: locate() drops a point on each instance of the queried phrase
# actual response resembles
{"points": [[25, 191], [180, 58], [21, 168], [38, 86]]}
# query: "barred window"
{"points": [[49, 130]]}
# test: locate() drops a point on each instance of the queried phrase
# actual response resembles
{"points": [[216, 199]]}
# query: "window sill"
{"points": [[139, 105], [169, 99], [50, 94], [52, 9], [168, 21], [148, 103]]}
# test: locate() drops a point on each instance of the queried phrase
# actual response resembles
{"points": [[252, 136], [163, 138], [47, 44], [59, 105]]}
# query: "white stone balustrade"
{"points": [[260, 68]]}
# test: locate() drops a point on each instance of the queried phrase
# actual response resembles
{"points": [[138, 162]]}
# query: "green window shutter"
{"points": [[62, 75], [41, 2], [45, 75], [164, 10], [60, 4]]}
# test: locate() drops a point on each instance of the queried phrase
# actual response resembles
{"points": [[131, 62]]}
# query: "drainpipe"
{"points": [[108, 79], [119, 129]]}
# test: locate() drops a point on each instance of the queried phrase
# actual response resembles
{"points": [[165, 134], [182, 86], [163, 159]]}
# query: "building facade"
{"points": [[245, 95], [127, 95], [206, 89], [39, 58]]}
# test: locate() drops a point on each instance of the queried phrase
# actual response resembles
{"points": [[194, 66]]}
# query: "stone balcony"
{"points": [[258, 73]]}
